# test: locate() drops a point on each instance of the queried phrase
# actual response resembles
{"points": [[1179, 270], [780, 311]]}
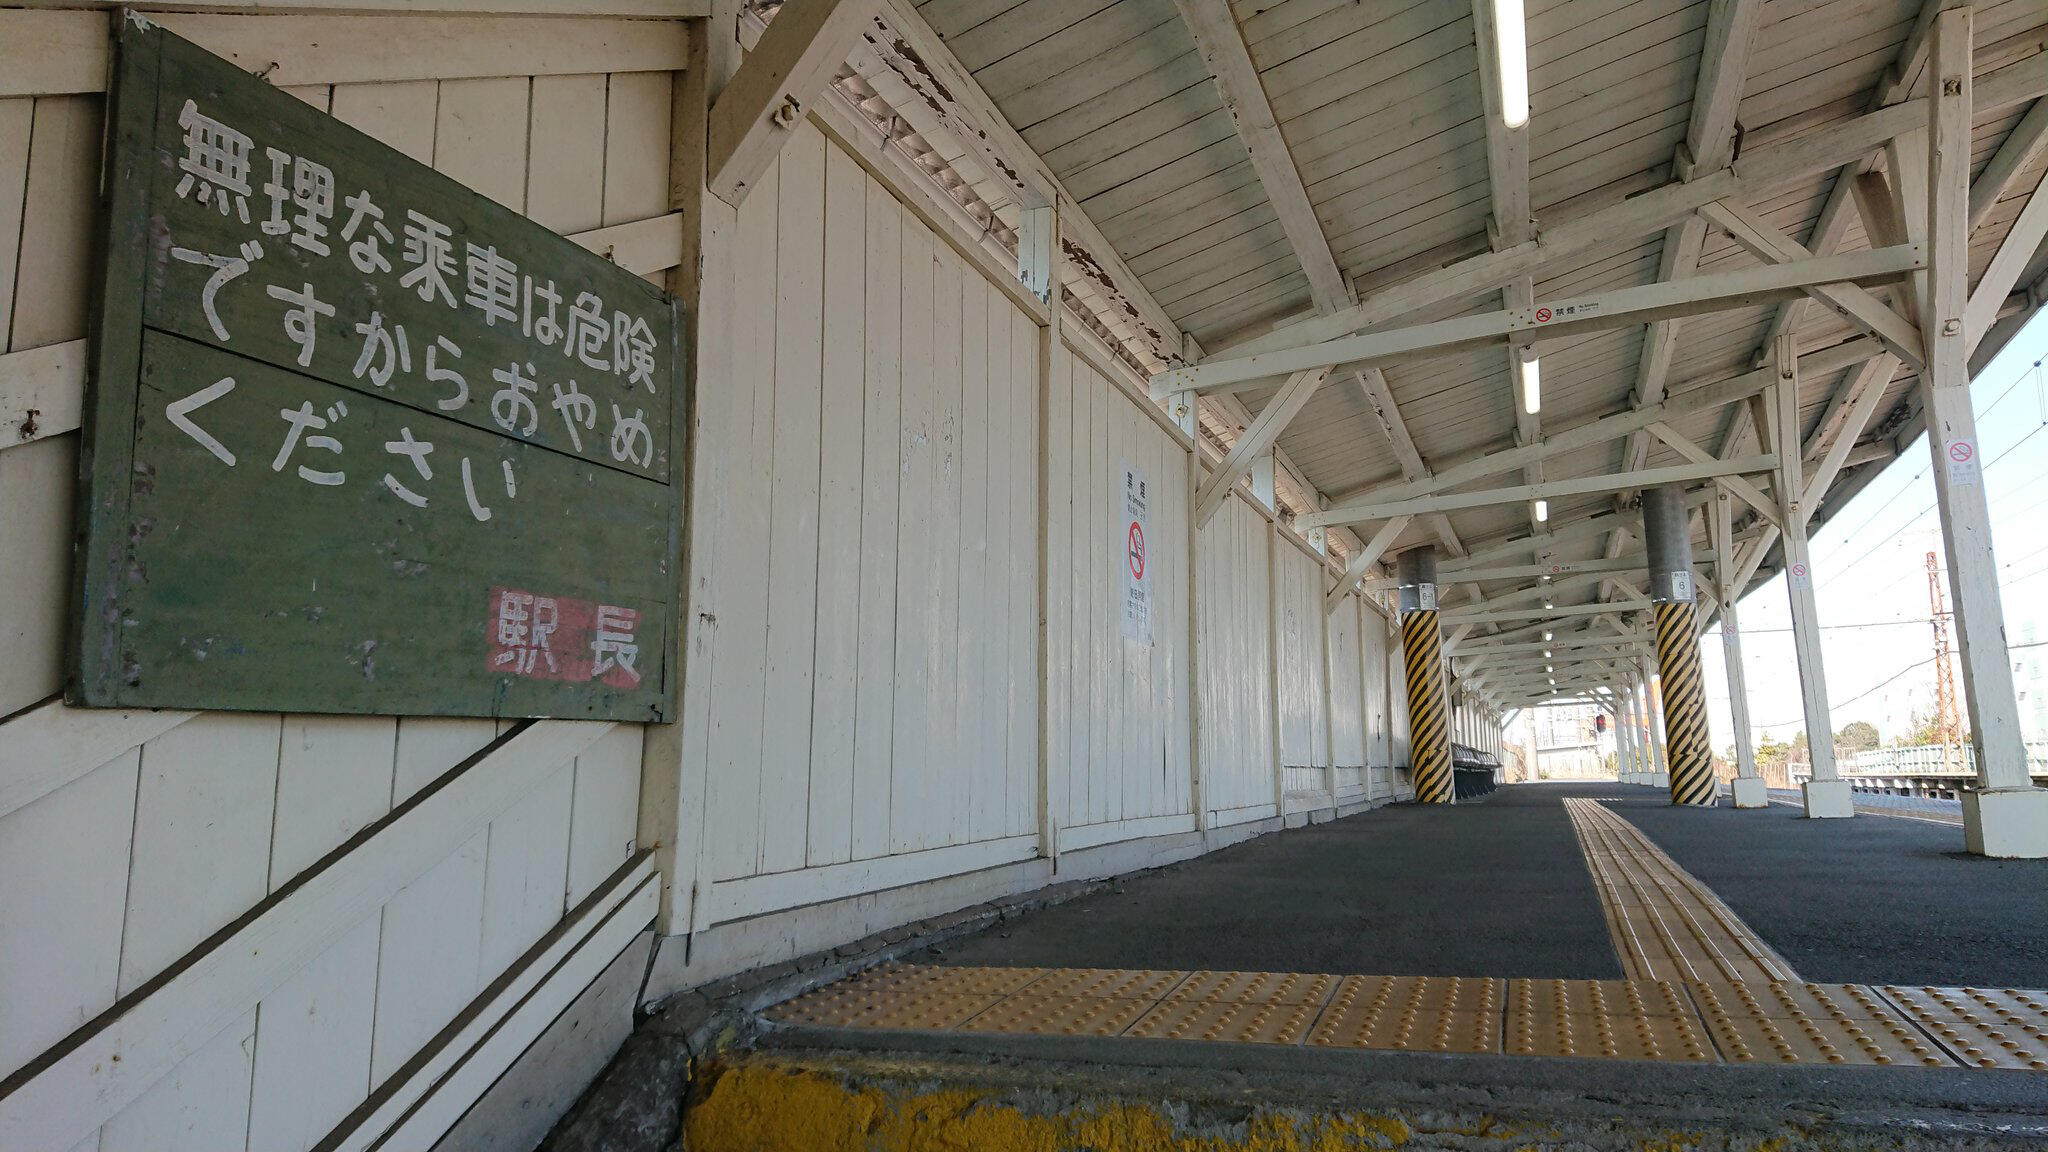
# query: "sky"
{"points": [[1870, 577]]}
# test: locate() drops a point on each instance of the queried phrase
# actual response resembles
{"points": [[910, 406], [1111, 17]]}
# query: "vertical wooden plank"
{"points": [[910, 809], [839, 512], [333, 779], [792, 573], [603, 823], [480, 136], [1026, 673], [982, 779], [427, 955], [1083, 767], [63, 885], [201, 850], [36, 482], [881, 458], [202, 1105], [636, 133], [400, 115], [1105, 636], [565, 153], [428, 746], [1061, 565], [526, 870], [736, 713], [943, 772], [53, 270], [993, 714], [313, 1045], [15, 117], [1126, 799]]}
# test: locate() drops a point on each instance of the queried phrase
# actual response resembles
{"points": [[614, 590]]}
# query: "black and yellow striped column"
{"points": [[1422, 652], [1668, 538]]}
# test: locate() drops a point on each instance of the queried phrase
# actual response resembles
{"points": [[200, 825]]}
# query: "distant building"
{"points": [[1569, 743], [2031, 681]]}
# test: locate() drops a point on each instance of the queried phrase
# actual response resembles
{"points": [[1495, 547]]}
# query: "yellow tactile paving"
{"points": [[1779, 1022], [1413, 1013], [1982, 1027], [1257, 987], [1610, 1035], [1059, 1015], [1810, 1023], [1598, 997], [1238, 1021], [1406, 1030], [1106, 983], [930, 979], [1665, 924], [1423, 993]]}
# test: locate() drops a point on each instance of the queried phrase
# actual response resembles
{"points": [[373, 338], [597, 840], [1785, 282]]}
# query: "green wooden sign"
{"points": [[359, 439]]}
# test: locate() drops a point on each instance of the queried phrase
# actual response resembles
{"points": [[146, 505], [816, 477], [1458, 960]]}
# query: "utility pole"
{"points": [[1948, 722]]}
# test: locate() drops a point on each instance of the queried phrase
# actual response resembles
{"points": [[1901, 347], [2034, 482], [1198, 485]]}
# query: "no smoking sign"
{"points": [[1962, 463]]}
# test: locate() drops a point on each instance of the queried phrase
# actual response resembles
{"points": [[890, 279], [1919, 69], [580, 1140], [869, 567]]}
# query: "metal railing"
{"points": [[1927, 760]]}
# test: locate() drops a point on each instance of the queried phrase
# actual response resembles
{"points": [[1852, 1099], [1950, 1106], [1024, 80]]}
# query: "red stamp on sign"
{"points": [[1543, 315], [538, 637], [1960, 451], [1134, 547]]}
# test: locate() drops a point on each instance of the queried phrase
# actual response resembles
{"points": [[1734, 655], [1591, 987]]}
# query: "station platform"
{"points": [[1549, 950]]}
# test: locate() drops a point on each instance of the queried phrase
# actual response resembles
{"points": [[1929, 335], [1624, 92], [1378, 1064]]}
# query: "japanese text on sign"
{"points": [[362, 440], [1133, 500]]}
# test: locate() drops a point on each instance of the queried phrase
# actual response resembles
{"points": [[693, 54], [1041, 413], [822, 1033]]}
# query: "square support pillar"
{"points": [[1829, 799], [2010, 823], [2006, 816], [1750, 792]]}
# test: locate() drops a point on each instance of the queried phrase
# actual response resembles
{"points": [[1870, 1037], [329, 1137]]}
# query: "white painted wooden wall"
{"points": [[871, 660], [1304, 699], [1349, 707], [127, 840], [1234, 663], [1118, 750], [873, 679]]}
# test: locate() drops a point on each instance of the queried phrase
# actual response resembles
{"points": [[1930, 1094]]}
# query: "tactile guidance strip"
{"points": [[1780, 1022]]}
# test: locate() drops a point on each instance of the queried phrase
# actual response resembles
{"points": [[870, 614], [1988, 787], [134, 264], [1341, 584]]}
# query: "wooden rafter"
{"points": [[767, 100]]}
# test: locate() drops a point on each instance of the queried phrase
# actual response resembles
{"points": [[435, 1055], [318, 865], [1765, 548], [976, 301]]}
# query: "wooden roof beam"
{"points": [[1597, 431], [1750, 179], [1600, 311], [1679, 259], [1365, 512], [769, 96], [1709, 142], [1762, 240], [1230, 63], [2014, 253], [1223, 49], [2013, 157]]}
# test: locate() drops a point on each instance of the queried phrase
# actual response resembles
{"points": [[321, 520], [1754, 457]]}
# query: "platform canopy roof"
{"points": [[1394, 205]]}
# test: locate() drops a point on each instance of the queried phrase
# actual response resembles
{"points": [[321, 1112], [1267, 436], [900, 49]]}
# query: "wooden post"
{"points": [[1721, 527], [1653, 735], [675, 757], [2008, 817], [1051, 365], [1273, 546], [1827, 797]]}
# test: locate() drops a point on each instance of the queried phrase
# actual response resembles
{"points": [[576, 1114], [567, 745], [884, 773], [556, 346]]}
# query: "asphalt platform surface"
{"points": [[1869, 900], [1498, 887], [1494, 887]]}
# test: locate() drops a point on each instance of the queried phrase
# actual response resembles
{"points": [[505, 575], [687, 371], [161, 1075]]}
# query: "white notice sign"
{"points": [[1962, 462], [1134, 563]]}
